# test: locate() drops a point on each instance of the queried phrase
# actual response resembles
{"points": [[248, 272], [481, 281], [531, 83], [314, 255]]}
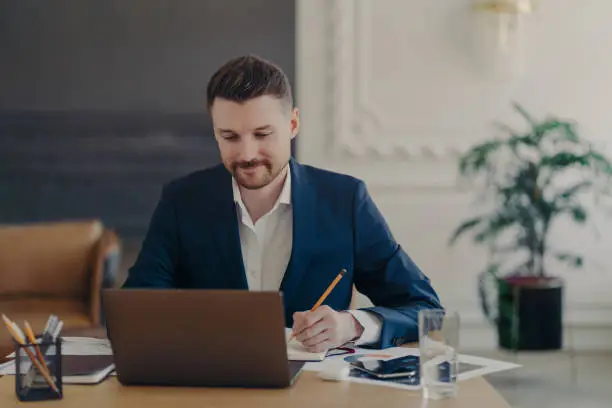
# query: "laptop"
{"points": [[188, 337]]}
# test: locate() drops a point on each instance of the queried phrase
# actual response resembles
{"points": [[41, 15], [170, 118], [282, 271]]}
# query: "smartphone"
{"points": [[406, 366]]}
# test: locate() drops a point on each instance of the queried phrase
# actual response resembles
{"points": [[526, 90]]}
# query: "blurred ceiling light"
{"points": [[505, 6], [501, 36]]}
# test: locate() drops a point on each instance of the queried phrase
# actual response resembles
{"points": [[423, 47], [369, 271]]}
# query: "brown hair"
{"points": [[248, 77]]}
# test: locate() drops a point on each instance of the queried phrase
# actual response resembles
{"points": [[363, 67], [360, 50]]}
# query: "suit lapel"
{"points": [[303, 204], [227, 235]]}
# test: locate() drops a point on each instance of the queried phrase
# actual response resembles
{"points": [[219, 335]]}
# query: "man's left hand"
{"points": [[325, 328]]}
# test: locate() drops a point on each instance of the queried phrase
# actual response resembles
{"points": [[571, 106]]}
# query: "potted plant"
{"points": [[532, 179]]}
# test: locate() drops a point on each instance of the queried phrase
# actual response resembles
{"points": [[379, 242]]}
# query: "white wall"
{"points": [[390, 91]]}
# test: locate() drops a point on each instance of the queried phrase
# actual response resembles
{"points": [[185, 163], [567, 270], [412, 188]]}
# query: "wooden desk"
{"points": [[309, 391]]}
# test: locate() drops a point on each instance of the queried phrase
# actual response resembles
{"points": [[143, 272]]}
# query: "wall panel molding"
{"points": [[361, 127]]}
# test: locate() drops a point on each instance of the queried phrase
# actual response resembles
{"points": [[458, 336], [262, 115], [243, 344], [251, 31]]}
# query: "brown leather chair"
{"points": [[56, 267]]}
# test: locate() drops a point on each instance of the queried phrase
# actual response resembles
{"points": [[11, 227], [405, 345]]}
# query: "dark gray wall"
{"points": [[101, 102]]}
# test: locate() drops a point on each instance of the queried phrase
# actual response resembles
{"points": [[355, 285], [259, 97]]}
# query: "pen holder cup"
{"points": [[30, 383]]}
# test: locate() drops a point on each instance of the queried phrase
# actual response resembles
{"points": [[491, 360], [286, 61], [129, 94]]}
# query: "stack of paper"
{"points": [[85, 360]]}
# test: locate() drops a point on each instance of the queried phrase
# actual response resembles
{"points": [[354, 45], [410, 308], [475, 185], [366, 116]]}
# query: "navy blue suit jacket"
{"points": [[193, 242]]}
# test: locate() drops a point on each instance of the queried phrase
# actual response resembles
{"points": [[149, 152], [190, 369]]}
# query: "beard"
{"points": [[255, 174]]}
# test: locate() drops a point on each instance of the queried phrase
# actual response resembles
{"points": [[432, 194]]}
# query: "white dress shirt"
{"points": [[266, 249]]}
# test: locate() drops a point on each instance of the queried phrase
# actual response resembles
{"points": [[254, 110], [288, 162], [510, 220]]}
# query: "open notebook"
{"points": [[297, 352]]}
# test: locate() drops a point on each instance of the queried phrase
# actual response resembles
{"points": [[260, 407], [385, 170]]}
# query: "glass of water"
{"points": [[438, 344]]}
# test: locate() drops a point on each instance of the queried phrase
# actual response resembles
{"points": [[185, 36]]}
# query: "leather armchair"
{"points": [[56, 267]]}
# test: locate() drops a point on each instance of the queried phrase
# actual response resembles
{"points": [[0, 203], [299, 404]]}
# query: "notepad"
{"points": [[297, 352], [86, 369]]}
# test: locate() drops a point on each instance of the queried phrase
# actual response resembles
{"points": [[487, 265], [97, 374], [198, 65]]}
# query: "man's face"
{"points": [[254, 138]]}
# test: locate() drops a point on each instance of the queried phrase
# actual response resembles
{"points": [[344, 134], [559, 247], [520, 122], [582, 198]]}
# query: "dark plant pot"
{"points": [[530, 313]]}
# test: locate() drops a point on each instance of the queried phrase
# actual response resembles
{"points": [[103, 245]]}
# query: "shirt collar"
{"points": [[283, 198]]}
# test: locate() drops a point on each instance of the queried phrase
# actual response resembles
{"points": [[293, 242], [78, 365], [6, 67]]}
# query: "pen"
{"points": [[339, 351], [324, 296], [19, 339], [57, 330]]}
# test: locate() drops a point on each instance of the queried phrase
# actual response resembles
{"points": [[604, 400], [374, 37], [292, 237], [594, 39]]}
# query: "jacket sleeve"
{"points": [[156, 264], [385, 274]]}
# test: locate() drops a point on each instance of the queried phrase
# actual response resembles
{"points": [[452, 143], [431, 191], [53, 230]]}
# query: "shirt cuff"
{"points": [[371, 324]]}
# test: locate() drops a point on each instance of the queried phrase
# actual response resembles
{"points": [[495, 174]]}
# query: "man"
{"points": [[261, 221]]}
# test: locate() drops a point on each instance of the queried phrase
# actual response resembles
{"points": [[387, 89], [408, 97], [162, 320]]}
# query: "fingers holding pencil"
{"points": [[325, 328], [322, 327], [319, 302]]}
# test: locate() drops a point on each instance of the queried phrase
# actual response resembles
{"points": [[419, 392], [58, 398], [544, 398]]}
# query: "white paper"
{"points": [[297, 352], [4, 367], [485, 365], [93, 378], [82, 346]]}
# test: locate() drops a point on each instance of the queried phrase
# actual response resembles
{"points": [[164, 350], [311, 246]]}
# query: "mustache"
{"points": [[250, 164]]}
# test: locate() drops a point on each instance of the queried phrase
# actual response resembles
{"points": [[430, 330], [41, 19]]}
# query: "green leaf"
{"points": [[496, 225], [569, 133], [515, 141], [545, 129], [477, 158], [579, 214], [573, 260], [569, 192], [600, 162], [576, 211], [563, 159], [524, 113], [465, 227], [591, 159]]}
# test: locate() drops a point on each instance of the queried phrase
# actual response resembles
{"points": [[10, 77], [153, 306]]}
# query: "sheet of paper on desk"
{"points": [[83, 346], [297, 352], [469, 366]]}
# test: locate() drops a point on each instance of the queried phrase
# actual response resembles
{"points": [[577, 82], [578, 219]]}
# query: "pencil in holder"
{"points": [[35, 381]]}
